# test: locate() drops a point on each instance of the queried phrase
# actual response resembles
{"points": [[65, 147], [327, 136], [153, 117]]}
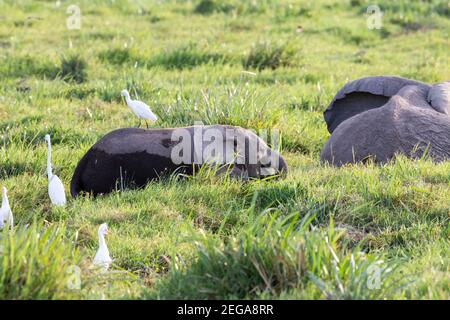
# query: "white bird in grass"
{"points": [[55, 186], [102, 258], [140, 109], [6, 216]]}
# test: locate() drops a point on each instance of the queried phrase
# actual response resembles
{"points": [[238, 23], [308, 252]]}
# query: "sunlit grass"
{"points": [[256, 64]]}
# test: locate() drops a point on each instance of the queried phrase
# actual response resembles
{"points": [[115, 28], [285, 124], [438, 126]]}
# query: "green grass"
{"points": [[34, 261], [73, 69], [319, 233], [268, 56], [276, 255]]}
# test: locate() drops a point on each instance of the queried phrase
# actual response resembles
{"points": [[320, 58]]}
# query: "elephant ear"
{"points": [[361, 95], [439, 97]]}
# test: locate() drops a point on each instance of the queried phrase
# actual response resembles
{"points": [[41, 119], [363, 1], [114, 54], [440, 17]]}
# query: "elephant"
{"points": [[131, 157], [361, 95], [379, 117]]}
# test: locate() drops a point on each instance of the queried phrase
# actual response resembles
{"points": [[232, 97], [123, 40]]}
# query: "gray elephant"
{"points": [[132, 157], [378, 117]]}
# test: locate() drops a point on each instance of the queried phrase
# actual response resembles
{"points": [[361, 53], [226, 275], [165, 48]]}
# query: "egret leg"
{"points": [[146, 123], [139, 124]]}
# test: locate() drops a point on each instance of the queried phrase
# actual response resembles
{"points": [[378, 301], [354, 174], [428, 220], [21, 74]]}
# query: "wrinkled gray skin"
{"points": [[361, 95], [133, 157], [413, 120]]}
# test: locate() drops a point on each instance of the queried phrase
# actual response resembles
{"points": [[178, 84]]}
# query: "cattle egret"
{"points": [[55, 186], [6, 216], [102, 258], [139, 108]]}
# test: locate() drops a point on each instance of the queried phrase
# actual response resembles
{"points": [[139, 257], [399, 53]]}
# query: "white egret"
{"points": [[102, 258], [139, 108], [6, 216], [55, 186]]}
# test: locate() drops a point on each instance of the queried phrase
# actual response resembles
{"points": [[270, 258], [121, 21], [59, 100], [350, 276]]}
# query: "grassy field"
{"points": [[363, 231]]}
